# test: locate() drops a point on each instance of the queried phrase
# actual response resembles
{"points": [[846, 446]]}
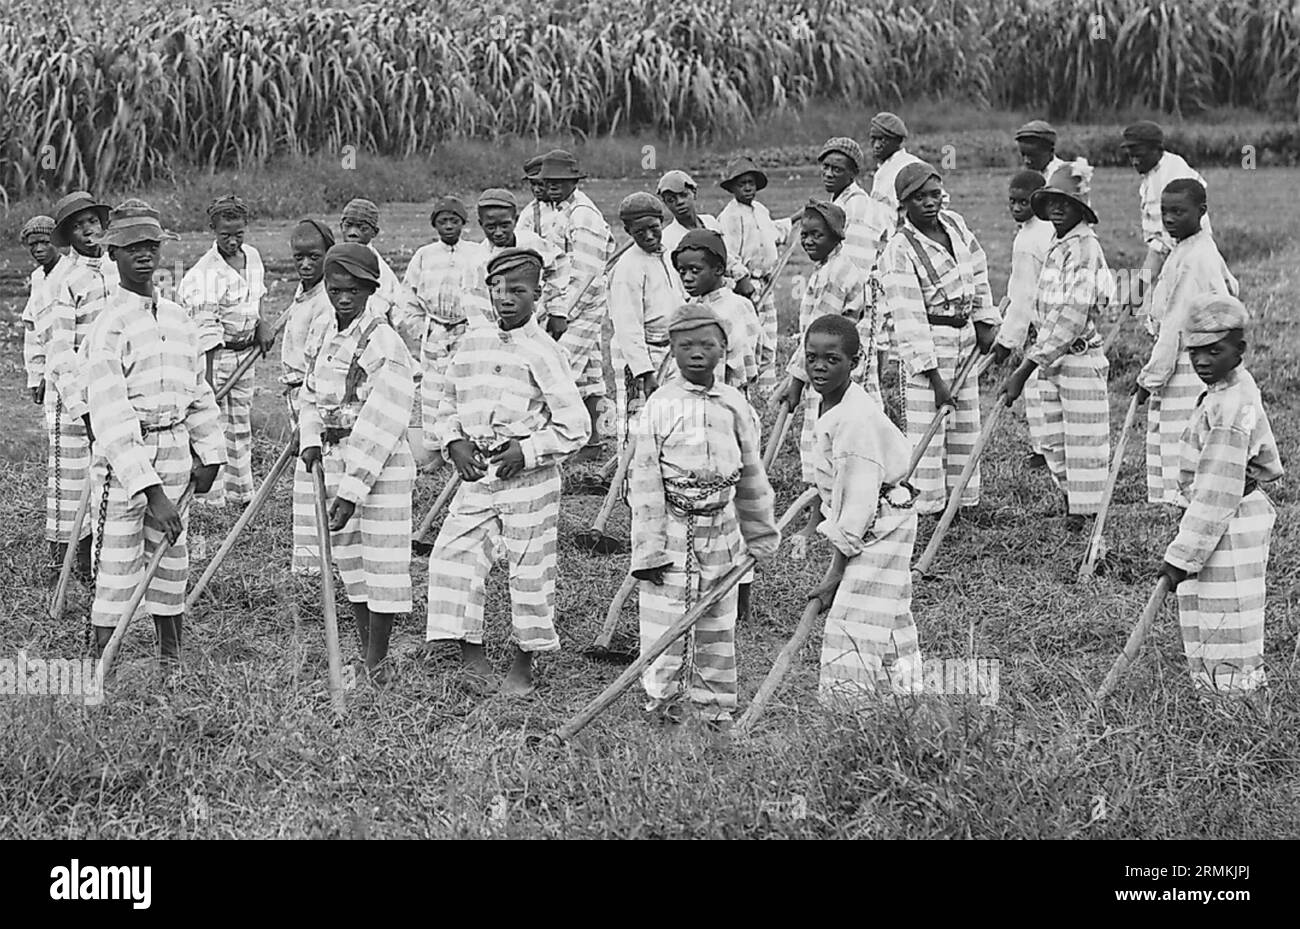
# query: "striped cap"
{"points": [[37, 225], [1210, 317], [134, 221], [361, 211], [845, 146]]}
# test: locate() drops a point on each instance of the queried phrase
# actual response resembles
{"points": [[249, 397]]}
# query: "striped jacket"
{"points": [[910, 294], [752, 236], [224, 304], [79, 295], [477, 300], [884, 199], [1228, 442], [1170, 167], [1028, 253], [861, 237], [380, 408], [146, 372], [39, 296], [1073, 287], [837, 286], [306, 311], [644, 292], [437, 273], [582, 243], [503, 385], [687, 433], [1194, 267]]}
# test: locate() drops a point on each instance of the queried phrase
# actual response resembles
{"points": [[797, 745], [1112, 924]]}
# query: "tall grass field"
{"points": [[244, 743]]}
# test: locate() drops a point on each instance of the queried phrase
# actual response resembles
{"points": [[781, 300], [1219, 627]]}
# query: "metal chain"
{"points": [[99, 551], [58, 467]]}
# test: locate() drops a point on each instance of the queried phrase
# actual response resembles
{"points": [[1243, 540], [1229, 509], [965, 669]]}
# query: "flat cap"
{"points": [[508, 259], [695, 316], [912, 177], [889, 124], [1212, 316], [832, 214], [846, 147], [37, 225], [677, 181], [497, 196], [452, 205], [361, 211], [1144, 132], [1037, 129], [356, 259], [639, 205], [705, 239]]}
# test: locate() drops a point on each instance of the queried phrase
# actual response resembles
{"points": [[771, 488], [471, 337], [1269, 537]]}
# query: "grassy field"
{"points": [[246, 746]]}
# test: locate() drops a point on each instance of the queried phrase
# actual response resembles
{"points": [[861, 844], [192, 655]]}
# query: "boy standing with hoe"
{"points": [[1218, 559], [85, 279], [223, 293], [508, 412], [699, 499], [938, 298], [156, 429]]}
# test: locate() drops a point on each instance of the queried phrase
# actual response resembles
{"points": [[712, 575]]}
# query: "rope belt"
{"points": [[684, 498]]}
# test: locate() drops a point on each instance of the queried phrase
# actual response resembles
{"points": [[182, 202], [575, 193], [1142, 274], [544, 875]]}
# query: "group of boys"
{"points": [[489, 355]]}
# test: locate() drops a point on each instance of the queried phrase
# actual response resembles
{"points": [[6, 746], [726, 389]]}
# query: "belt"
{"points": [[956, 322], [290, 385], [239, 345], [147, 429], [333, 435], [657, 344]]}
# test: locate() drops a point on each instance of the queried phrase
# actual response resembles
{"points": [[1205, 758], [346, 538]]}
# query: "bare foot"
{"points": [[476, 662], [519, 682]]}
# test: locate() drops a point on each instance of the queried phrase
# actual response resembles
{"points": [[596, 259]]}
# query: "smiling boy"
{"points": [[1217, 561]]}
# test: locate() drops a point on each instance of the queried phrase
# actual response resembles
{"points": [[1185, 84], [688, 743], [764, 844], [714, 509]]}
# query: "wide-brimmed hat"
{"points": [[1069, 181], [846, 147], [356, 259], [737, 168], [1143, 132], [559, 165], [912, 177], [831, 213], [133, 221], [1210, 317], [68, 207]]}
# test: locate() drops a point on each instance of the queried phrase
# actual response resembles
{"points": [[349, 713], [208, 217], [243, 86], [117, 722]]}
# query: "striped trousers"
{"points": [[69, 464], [1076, 430], [1034, 418], [950, 449], [767, 319], [711, 688], [582, 340], [1168, 413], [870, 647], [1221, 609], [129, 536], [305, 559], [523, 512], [373, 549], [235, 483]]}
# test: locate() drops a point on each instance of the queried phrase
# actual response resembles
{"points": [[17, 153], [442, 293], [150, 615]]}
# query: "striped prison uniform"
{"points": [[153, 413], [860, 234], [870, 647], [1028, 252], [477, 300], [437, 275], [402, 308], [644, 292], [1170, 167], [933, 298], [884, 200], [226, 305], [1073, 286], [503, 385], [1194, 267], [80, 290], [699, 499], [1223, 537], [40, 293], [307, 318], [582, 239], [752, 237], [675, 231], [837, 286], [536, 221], [355, 404], [738, 366]]}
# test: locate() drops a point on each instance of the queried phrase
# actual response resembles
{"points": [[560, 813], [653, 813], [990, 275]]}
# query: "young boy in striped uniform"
{"points": [[1028, 253], [577, 313], [539, 215], [437, 274], [699, 499], [355, 403], [837, 287], [359, 223], [1074, 285], [85, 278], [501, 222], [679, 193], [841, 161], [156, 429], [752, 237], [644, 292], [886, 135], [701, 261], [308, 314], [936, 283], [858, 460], [223, 294], [1168, 381], [1217, 560], [507, 413]]}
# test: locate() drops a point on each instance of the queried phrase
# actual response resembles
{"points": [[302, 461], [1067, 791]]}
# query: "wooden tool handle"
{"points": [[70, 553], [1094, 542], [1135, 639], [329, 609]]}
